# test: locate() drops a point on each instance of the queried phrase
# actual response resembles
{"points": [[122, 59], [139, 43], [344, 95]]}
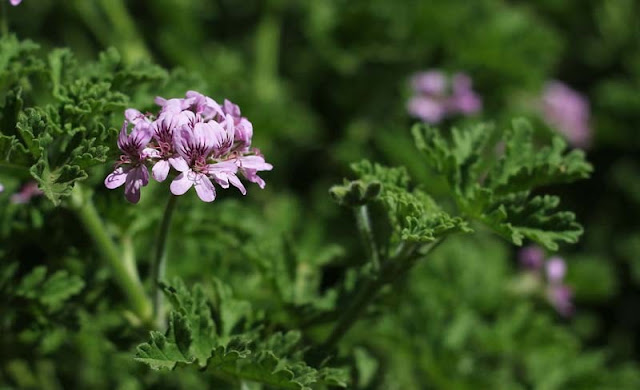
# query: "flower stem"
{"points": [[159, 264], [125, 275], [364, 225], [390, 270]]}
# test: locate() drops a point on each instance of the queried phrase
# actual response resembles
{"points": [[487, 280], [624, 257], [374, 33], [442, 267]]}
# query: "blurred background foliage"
{"points": [[325, 83]]}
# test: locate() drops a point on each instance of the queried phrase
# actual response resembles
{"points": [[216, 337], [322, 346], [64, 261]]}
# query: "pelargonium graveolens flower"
{"points": [[204, 142], [557, 293], [567, 111], [437, 96], [28, 191], [131, 169]]}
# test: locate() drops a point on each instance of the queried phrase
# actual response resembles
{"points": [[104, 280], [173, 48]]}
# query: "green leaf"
{"points": [[518, 216], [59, 141], [191, 338], [50, 291], [192, 320], [496, 190], [412, 214], [524, 167], [58, 183]]}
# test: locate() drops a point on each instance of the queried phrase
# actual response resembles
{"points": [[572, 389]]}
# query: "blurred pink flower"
{"points": [[437, 96], [28, 191], [568, 112], [560, 298], [15, 2], [557, 293], [531, 257], [556, 269]]}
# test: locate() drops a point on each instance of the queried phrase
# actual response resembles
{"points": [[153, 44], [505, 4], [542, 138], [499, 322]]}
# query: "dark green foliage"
{"points": [[60, 140], [192, 337]]}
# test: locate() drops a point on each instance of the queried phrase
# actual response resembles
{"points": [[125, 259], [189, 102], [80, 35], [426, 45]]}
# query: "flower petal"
{"points": [[233, 179], [115, 179], [181, 184], [254, 162], [160, 170], [205, 189], [137, 178], [179, 163], [204, 135]]}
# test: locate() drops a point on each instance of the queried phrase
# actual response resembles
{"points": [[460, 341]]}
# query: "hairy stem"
{"points": [[125, 275], [364, 225], [159, 264], [391, 269]]}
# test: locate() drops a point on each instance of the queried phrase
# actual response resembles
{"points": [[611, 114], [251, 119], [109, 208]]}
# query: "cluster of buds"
{"points": [[437, 96], [203, 141], [548, 273], [567, 111]]}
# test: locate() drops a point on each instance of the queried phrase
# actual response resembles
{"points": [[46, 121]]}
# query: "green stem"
{"points": [[364, 225], [125, 275], [404, 259], [159, 264]]}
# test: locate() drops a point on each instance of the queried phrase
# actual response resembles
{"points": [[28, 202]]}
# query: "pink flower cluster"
{"points": [[15, 2], [437, 96], [26, 193], [568, 112], [559, 295], [203, 141]]}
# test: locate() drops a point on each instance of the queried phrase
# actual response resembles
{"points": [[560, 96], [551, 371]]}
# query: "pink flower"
{"points": [[130, 170], [556, 269], [560, 298], [15, 2], [531, 257], [249, 166], [243, 128], [557, 293], [437, 96], [27, 192], [204, 142], [567, 111], [432, 82], [464, 100], [427, 109], [197, 146], [163, 129]]}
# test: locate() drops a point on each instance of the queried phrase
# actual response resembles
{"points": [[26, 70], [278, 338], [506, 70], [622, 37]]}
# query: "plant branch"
{"points": [[364, 226], [125, 275], [159, 264], [403, 260]]}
